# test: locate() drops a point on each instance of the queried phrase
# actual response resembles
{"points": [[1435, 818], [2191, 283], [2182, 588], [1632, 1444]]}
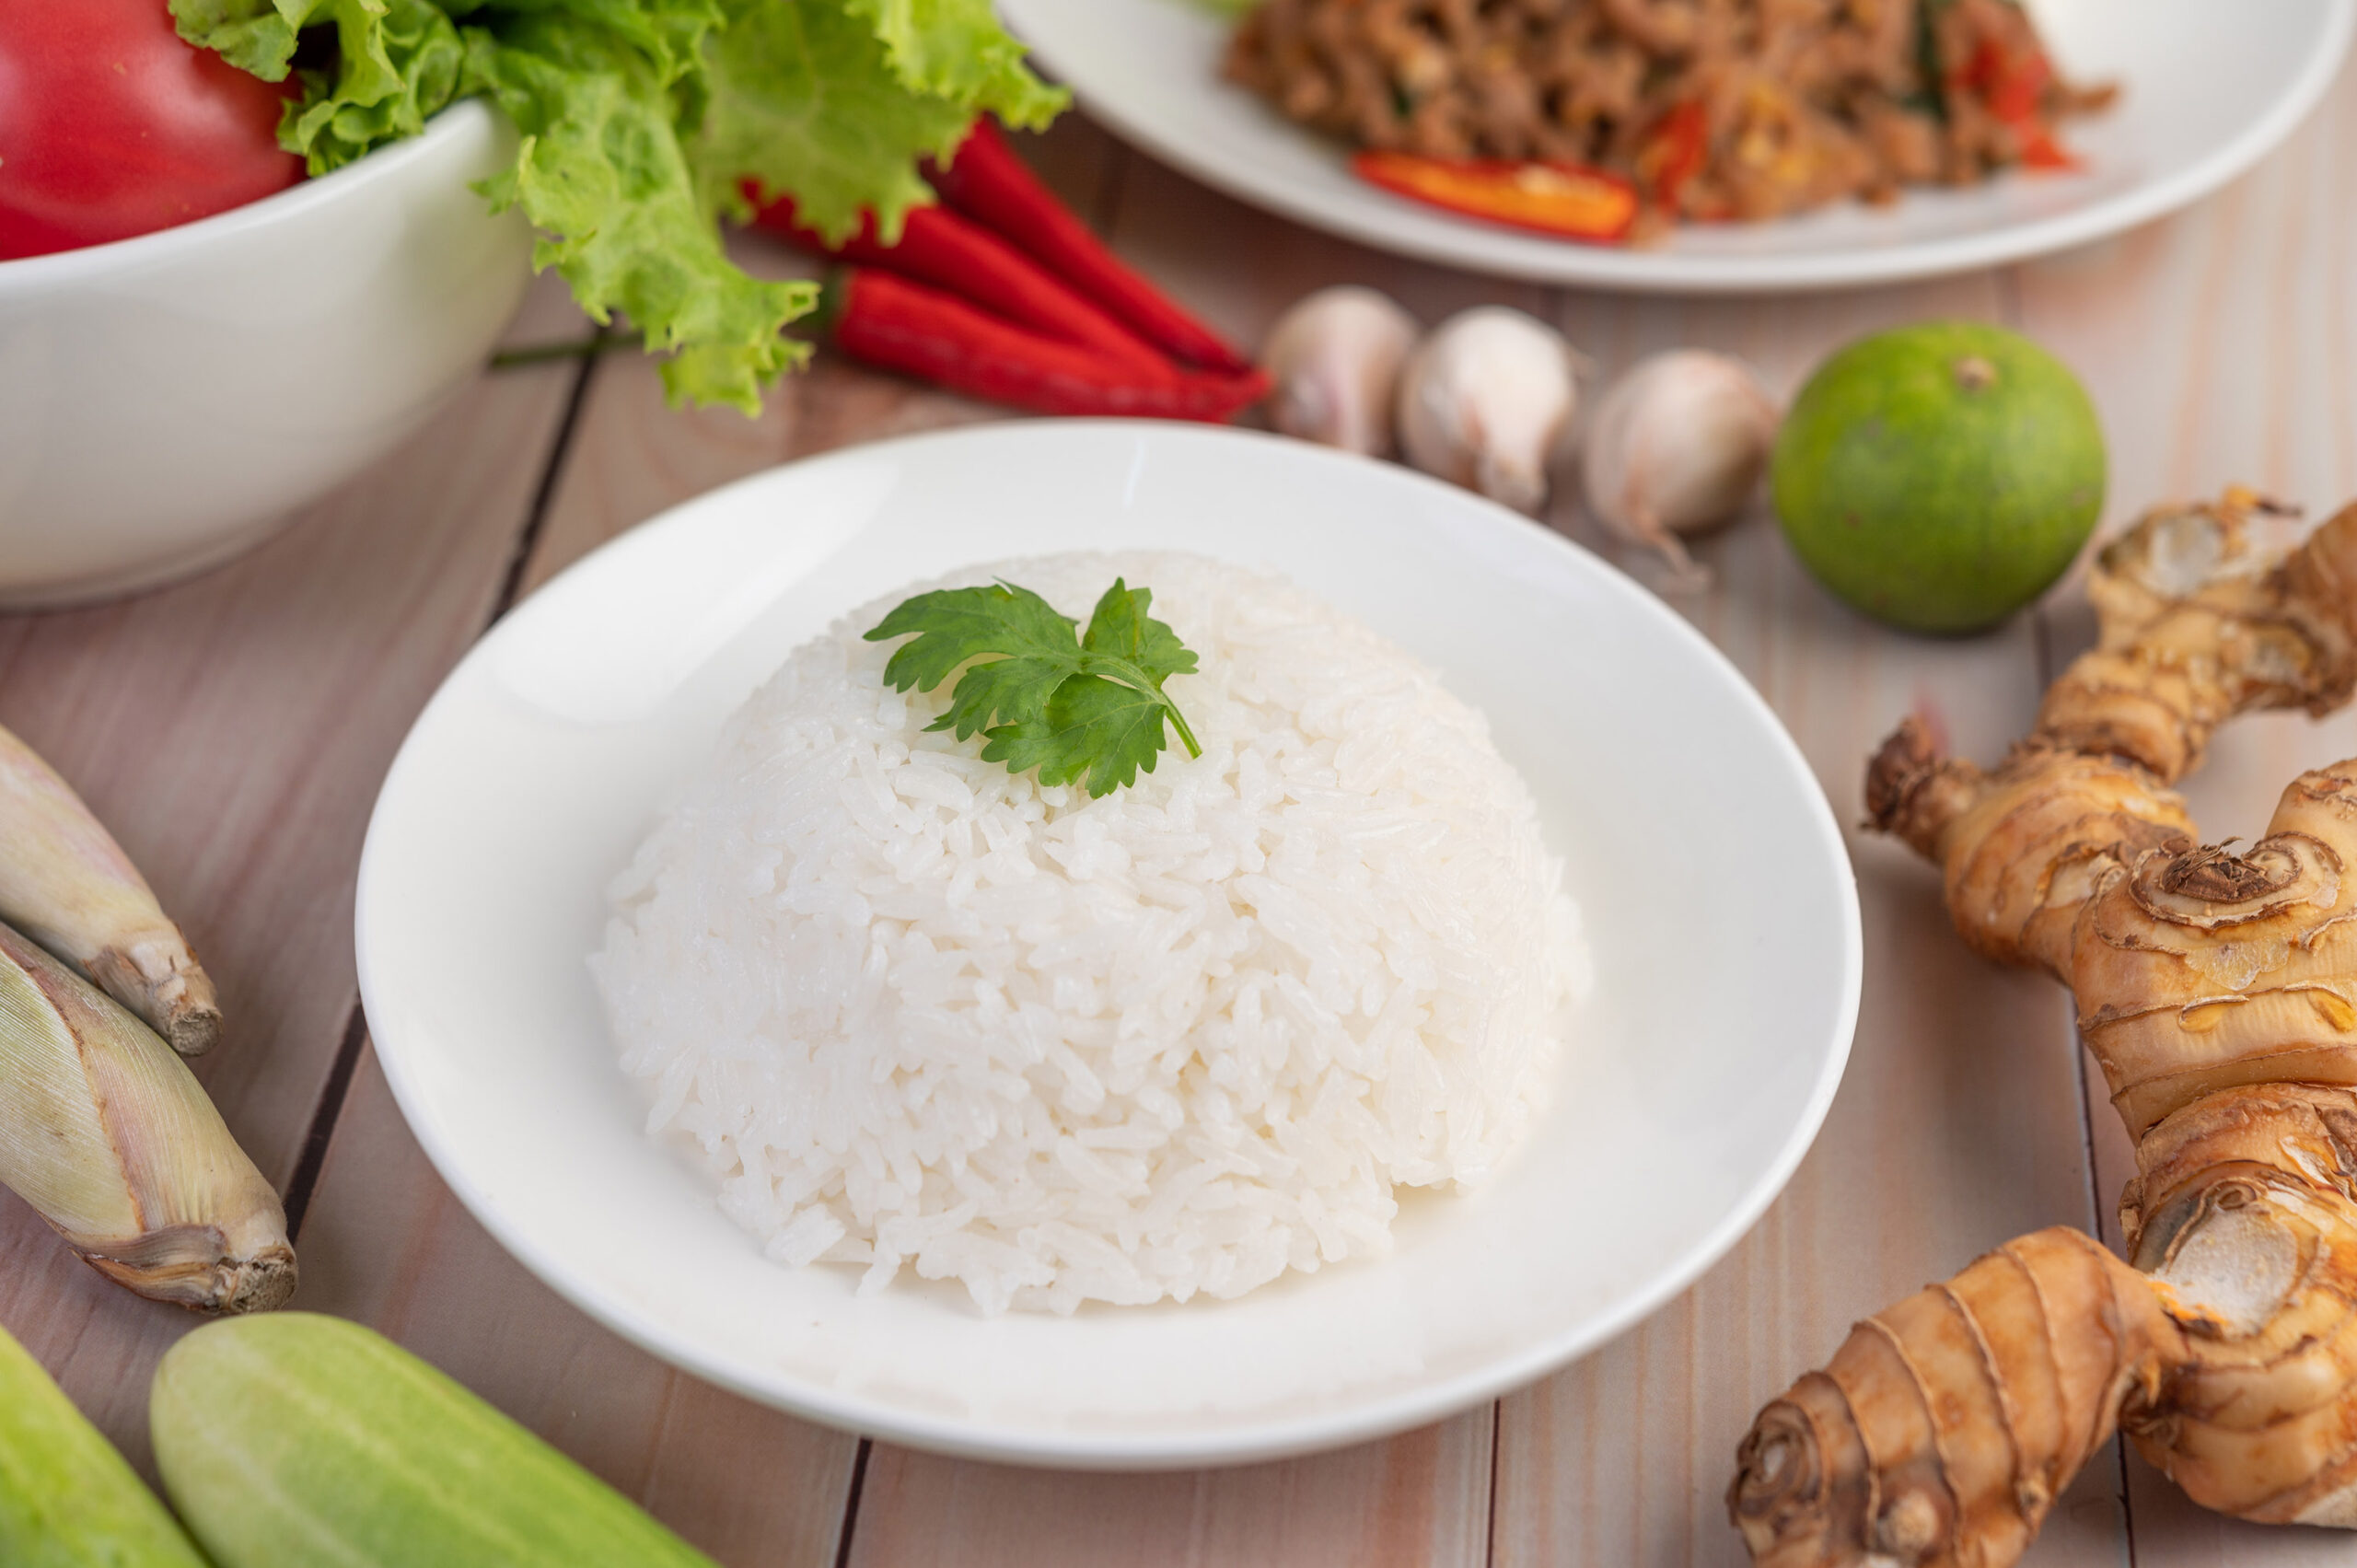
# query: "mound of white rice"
{"points": [[917, 1010]]}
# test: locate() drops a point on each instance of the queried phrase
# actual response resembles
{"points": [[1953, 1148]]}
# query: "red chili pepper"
{"points": [[2014, 95], [887, 320], [1675, 153], [2013, 87], [988, 183], [940, 248], [1562, 199]]}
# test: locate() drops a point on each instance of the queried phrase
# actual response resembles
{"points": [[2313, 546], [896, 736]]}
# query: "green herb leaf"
{"points": [[1094, 728], [1120, 628], [1036, 646], [1088, 707]]}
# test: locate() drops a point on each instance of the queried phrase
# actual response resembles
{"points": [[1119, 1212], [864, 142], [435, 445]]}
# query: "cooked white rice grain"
{"points": [[919, 1011]]}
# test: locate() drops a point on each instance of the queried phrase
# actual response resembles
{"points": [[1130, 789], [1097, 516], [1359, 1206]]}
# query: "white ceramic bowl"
{"points": [[1715, 887], [165, 401]]}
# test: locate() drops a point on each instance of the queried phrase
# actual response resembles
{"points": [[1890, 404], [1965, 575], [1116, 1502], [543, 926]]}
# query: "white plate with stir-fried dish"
{"points": [[1843, 144], [1106, 944]]}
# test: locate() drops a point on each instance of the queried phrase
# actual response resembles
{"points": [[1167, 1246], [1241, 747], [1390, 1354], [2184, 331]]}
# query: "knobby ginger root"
{"points": [[1958, 1415], [66, 884], [2217, 988]]}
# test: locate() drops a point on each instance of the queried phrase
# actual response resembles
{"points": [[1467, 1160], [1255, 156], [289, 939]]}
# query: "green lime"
{"points": [[1939, 477]]}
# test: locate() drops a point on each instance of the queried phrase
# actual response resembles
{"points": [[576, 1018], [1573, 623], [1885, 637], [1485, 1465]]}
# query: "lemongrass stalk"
{"points": [[66, 884], [111, 1140]]}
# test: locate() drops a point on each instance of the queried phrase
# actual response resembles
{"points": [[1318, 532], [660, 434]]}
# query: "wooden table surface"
{"points": [[233, 731]]}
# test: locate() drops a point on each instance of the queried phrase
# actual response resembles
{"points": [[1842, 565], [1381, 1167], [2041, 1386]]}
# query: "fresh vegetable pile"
{"points": [[2212, 982], [103, 1129], [1937, 477], [643, 123], [282, 1439], [1002, 294], [293, 1440], [1487, 399], [111, 127]]}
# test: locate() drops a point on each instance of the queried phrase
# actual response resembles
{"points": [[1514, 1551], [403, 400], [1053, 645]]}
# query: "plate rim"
{"points": [[1202, 1447], [1474, 247]]}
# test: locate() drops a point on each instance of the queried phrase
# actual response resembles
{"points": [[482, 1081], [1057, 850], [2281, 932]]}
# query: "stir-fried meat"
{"points": [[1713, 109]]}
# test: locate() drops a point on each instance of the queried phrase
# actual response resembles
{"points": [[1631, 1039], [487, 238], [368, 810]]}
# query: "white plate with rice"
{"points": [[1263, 1106]]}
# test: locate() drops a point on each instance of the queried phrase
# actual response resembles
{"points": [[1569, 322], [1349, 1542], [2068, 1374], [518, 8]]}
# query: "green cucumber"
{"points": [[67, 1499], [289, 1440]]}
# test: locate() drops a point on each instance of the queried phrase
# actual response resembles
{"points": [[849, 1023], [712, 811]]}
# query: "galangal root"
{"points": [[2217, 988]]}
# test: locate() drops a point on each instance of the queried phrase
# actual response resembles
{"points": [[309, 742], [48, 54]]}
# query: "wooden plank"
{"points": [[232, 731], [1416, 1499], [1957, 1123], [2218, 347]]}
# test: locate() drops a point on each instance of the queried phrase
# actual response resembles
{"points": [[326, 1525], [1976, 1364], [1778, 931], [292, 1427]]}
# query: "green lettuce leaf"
{"points": [[260, 35], [396, 62], [954, 49], [601, 174], [803, 102], [408, 58]]}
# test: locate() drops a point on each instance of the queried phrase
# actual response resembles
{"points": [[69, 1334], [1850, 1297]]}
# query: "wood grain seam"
{"points": [[324, 1116], [2049, 667], [1490, 1529], [334, 1094], [850, 1503], [511, 581]]}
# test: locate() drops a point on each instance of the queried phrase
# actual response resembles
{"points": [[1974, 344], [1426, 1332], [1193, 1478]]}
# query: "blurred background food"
{"points": [[1720, 111]]}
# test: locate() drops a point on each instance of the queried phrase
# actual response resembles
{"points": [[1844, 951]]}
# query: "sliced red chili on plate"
{"points": [[1675, 152], [2013, 87], [1562, 199]]}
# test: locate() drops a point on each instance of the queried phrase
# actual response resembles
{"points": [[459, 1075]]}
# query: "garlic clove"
{"points": [[1335, 358], [111, 1140], [1484, 402], [66, 883], [1677, 446]]}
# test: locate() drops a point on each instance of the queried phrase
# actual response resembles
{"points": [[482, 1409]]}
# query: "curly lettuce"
{"points": [[643, 123]]}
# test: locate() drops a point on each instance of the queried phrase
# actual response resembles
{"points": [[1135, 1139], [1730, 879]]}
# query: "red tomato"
{"points": [[112, 126]]}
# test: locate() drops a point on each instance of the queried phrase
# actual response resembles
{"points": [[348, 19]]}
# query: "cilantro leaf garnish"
{"points": [[1088, 706]]}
